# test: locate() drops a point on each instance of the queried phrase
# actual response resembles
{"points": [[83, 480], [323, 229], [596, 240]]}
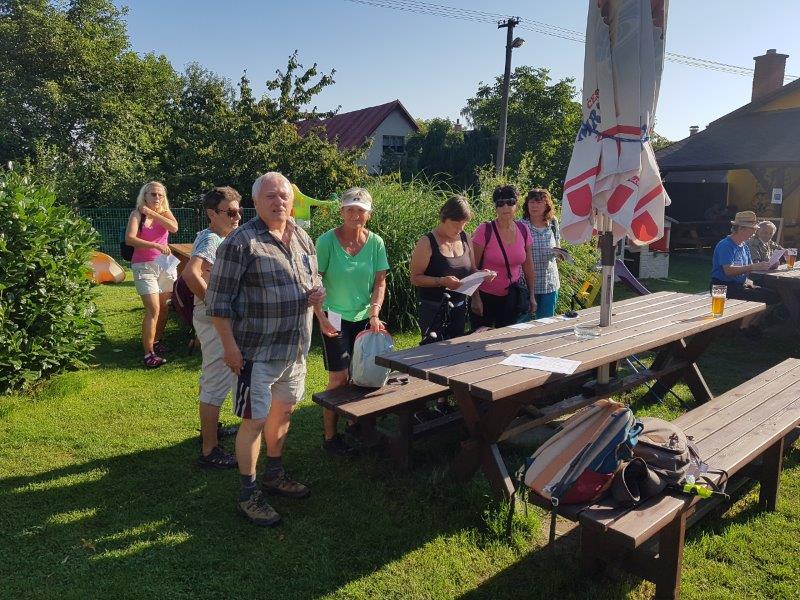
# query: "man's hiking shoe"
{"points": [[283, 485], [338, 446], [160, 347], [151, 361], [258, 511], [217, 459]]}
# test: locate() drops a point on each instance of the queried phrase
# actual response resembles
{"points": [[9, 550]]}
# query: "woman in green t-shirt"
{"points": [[353, 265]]}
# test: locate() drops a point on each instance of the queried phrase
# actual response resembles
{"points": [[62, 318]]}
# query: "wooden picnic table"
{"points": [[183, 253], [491, 395], [786, 283]]}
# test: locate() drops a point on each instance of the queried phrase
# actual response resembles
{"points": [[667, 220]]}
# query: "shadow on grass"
{"points": [[152, 521]]}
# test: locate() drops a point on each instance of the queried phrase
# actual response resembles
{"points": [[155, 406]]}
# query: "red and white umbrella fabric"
{"points": [[613, 171]]}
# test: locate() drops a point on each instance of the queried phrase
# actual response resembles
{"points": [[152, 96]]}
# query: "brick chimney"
{"points": [[694, 129], [768, 74]]}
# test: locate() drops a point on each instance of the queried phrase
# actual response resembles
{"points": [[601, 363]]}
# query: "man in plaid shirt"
{"points": [[263, 286]]}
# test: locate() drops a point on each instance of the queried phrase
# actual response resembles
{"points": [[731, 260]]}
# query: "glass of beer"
{"points": [[718, 293], [791, 256]]}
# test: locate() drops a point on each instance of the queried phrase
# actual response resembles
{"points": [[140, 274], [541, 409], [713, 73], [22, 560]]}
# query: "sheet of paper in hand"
{"points": [[563, 255], [470, 283], [776, 257]]}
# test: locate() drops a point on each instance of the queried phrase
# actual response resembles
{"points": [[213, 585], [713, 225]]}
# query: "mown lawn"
{"points": [[99, 497]]}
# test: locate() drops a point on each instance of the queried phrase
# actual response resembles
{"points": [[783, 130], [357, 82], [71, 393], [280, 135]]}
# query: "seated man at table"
{"points": [[761, 244], [732, 262]]}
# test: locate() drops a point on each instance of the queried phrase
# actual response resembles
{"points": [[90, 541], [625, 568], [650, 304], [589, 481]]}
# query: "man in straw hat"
{"points": [[733, 263]]}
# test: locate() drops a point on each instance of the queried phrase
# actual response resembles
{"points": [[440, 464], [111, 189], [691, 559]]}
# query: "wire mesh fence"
{"points": [[110, 223]]}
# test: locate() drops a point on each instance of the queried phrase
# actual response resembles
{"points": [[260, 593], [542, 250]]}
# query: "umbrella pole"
{"points": [[607, 290]]}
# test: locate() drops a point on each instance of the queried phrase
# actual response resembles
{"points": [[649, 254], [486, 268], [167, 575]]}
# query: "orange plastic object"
{"points": [[105, 269]]}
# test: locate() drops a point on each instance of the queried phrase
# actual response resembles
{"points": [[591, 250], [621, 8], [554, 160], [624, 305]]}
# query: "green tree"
{"points": [[543, 118], [77, 103]]}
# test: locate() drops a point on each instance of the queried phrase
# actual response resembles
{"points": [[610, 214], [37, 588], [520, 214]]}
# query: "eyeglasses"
{"points": [[231, 212], [505, 202]]}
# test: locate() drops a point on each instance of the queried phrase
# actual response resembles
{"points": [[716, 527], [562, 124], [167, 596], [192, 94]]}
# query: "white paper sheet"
{"points": [[563, 255], [335, 319], [545, 320], [542, 363], [168, 263], [470, 283], [522, 326], [776, 257]]}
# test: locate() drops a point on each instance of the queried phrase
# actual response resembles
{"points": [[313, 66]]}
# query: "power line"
{"points": [[464, 14]]}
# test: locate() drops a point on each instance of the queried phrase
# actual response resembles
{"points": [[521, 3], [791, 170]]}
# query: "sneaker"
{"points": [[258, 511], [283, 485], [226, 430], [160, 347], [217, 459], [151, 361], [338, 446]]}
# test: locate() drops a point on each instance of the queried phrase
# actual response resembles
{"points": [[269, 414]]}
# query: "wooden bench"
{"points": [[743, 432], [402, 396]]}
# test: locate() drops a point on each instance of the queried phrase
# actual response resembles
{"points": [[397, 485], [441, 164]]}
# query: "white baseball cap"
{"points": [[357, 197]]}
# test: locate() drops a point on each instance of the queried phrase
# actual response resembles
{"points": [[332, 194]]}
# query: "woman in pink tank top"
{"points": [[148, 231]]}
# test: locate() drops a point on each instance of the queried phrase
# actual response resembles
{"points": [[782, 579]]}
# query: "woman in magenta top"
{"points": [[148, 231], [492, 306]]}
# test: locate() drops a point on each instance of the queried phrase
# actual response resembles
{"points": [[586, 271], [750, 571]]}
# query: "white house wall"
{"points": [[394, 124]]}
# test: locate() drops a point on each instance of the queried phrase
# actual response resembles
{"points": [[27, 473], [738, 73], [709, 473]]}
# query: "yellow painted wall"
{"points": [[742, 187], [786, 101]]}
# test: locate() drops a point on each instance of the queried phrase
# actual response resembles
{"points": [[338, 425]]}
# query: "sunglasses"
{"points": [[505, 202], [231, 212]]}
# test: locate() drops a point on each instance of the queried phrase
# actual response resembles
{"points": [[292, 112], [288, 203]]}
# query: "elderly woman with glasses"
{"points": [[503, 246], [540, 219], [149, 226]]}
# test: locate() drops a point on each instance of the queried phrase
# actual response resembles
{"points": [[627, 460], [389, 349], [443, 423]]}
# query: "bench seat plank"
{"points": [[355, 402]]}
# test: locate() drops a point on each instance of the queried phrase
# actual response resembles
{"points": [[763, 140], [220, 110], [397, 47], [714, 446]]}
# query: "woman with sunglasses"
{"points": [[148, 231], [504, 246], [216, 379], [540, 219]]}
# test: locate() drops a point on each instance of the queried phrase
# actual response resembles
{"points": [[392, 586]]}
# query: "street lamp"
{"points": [[511, 43]]}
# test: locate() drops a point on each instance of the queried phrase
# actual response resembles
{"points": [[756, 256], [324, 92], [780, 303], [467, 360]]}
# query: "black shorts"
{"points": [[337, 351]]}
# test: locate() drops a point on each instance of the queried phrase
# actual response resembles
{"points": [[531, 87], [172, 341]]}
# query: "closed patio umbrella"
{"points": [[613, 185]]}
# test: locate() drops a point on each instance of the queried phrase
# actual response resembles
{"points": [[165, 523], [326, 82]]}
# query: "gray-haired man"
{"points": [[263, 286]]}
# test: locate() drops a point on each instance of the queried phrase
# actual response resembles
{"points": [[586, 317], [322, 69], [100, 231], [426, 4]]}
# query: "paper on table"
{"points": [[776, 257], [522, 326], [335, 319], [545, 320], [542, 363], [470, 283]]}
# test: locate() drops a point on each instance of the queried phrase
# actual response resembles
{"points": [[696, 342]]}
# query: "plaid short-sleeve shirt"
{"points": [[544, 259], [262, 286]]}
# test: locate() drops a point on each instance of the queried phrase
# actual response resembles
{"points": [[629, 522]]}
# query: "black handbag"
{"points": [[517, 300], [126, 251]]}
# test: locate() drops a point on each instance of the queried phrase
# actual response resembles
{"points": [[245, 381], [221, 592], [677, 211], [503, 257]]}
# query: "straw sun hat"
{"points": [[745, 218]]}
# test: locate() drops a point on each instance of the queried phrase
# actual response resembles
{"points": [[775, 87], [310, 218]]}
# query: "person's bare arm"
{"points": [[231, 356], [530, 276], [167, 219], [196, 274], [736, 270], [376, 301]]}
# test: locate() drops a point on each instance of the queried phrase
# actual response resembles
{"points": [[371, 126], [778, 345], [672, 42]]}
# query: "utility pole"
{"points": [[511, 43]]}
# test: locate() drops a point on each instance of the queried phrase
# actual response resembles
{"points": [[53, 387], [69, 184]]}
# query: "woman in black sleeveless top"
{"points": [[440, 260]]}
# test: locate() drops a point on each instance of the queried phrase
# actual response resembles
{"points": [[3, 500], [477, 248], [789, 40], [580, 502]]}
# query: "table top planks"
{"points": [[472, 363], [781, 276]]}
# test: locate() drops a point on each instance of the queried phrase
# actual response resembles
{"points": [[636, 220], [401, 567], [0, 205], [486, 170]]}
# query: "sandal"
{"points": [[160, 347], [151, 361]]}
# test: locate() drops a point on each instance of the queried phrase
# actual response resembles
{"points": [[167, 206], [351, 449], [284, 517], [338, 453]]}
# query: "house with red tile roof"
{"points": [[387, 126]]}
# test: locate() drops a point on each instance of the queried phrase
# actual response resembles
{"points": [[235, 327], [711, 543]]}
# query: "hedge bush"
{"points": [[47, 317], [404, 211]]}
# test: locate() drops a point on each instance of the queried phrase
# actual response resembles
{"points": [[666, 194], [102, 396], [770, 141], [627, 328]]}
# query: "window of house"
{"points": [[394, 143]]}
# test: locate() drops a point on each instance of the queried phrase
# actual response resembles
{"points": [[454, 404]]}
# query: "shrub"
{"points": [[405, 211], [47, 317]]}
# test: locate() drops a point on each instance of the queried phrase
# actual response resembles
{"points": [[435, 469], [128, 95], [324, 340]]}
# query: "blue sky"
{"points": [[433, 64]]}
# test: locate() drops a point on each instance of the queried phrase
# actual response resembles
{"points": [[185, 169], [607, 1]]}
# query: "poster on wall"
{"points": [[777, 195]]}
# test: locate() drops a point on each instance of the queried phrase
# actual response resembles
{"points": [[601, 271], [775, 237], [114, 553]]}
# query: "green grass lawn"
{"points": [[99, 497]]}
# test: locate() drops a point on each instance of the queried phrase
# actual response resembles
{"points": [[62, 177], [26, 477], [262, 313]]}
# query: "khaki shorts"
{"points": [[216, 379], [260, 381], [149, 278]]}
